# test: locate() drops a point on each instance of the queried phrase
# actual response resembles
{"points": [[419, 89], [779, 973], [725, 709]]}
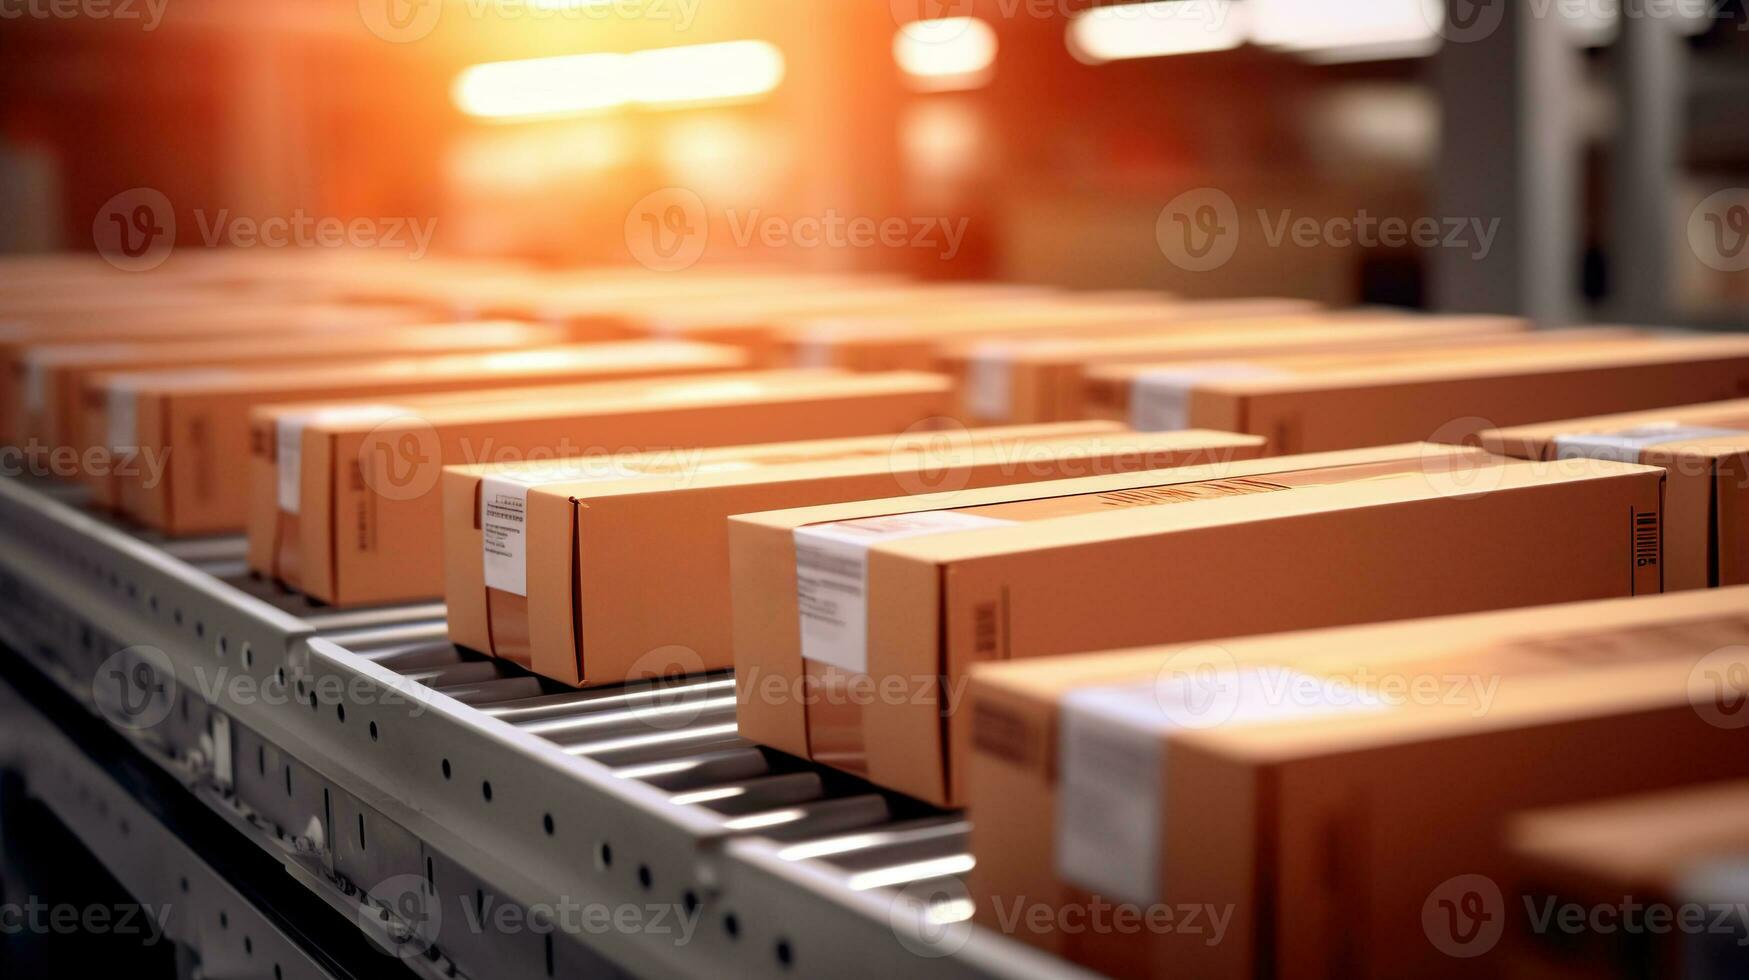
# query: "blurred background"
{"points": [[1576, 159]]}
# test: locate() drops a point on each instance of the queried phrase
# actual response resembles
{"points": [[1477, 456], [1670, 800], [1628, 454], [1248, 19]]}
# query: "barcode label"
{"points": [[1648, 540], [1625, 445], [990, 384], [121, 411], [1160, 400], [1112, 756], [832, 578], [289, 443], [504, 533]]}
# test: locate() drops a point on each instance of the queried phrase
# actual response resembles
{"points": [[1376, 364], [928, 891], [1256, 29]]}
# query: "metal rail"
{"points": [[494, 825]]}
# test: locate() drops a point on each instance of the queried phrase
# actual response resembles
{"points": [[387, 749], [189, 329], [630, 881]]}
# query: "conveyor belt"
{"points": [[391, 768]]}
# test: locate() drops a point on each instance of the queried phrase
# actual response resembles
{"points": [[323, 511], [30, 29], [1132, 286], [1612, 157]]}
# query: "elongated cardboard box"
{"points": [[55, 374], [838, 607], [1647, 885], [181, 324], [623, 304], [758, 320], [356, 514], [1705, 451], [1016, 381], [586, 580], [1312, 404], [1339, 796], [890, 343], [181, 439]]}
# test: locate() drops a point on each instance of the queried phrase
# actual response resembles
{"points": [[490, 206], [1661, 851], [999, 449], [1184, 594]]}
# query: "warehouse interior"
{"points": [[978, 488]]}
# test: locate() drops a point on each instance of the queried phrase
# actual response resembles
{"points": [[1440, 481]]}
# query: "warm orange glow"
{"points": [[1348, 30], [1151, 30], [698, 74], [949, 53]]}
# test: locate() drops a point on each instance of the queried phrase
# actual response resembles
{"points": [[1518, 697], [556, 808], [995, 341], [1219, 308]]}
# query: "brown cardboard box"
{"points": [[624, 578], [757, 320], [622, 303], [1339, 795], [55, 374], [1167, 556], [890, 343], [188, 473], [359, 516], [1638, 886], [1311, 404], [239, 318], [1026, 380], [1705, 451]]}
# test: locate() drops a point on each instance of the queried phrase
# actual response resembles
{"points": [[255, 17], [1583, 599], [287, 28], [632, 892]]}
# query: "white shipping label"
{"points": [[121, 410], [288, 440], [990, 383], [1625, 445], [35, 386], [1112, 757], [504, 533], [1160, 400], [832, 578]]}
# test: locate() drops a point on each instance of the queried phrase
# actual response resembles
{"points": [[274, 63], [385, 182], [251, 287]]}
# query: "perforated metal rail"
{"points": [[479, 821]]}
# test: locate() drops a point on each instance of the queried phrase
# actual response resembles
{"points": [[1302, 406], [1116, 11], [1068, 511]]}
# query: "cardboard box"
{"points": [[913, 342], [1312, 404], [240, 319], [1339, 795], [1016, 381], [757, 320], [357, 517], [598, 579], [896, 593], [1638, 886], [188, 431], [52, 390], [1705, 451], [623, 303]]}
